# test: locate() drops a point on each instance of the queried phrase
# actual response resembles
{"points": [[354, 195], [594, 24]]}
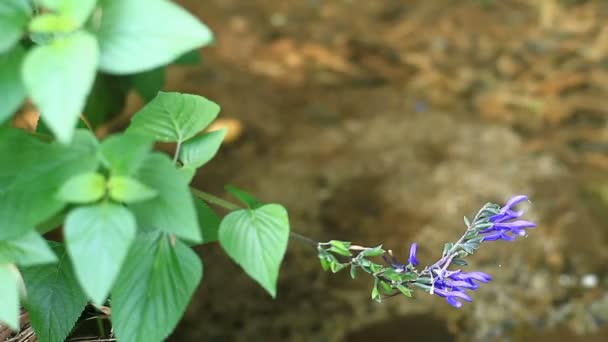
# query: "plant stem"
{"points": [[449, 256], [207, 197], [303, 238], [177, 148]]}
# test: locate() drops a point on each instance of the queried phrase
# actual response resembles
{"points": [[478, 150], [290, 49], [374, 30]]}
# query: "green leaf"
{"points": [[12, 91], [325, 264], [70, 62], [140, 35], [373, 252], [172, 211], [83, 188], [14, 15], [187, 173], [404, 290], [54, 298], [459, 262], [244, 197], [336, 267], [32, 172], [375, 293], [447, 247], [208, 221], [154, 288], [257, 239], [198, 151], [52, 23], [353, 271], [9, 296], [124, 153], [129, 190], [340, 247], [409, 276], [391, 274], [386, 287], [469, 247], [28, 250], [149, 83], [98, 239], [174, 117], [76, 11]]}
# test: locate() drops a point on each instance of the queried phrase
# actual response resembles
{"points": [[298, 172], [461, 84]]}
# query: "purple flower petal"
{"points": [[492, 236], [479, 276], [513, 202], [462, 284], [505, 216], [453, 302], [459, 294], [511, 225], [412, 259]]}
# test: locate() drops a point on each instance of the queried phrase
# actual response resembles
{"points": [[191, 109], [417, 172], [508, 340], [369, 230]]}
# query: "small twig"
{"points": [[302, 238], [207, 197]]}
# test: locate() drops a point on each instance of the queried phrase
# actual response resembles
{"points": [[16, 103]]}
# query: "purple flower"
{"points": [[503, 228], [453, 286], [397, 265], [412, 259]]}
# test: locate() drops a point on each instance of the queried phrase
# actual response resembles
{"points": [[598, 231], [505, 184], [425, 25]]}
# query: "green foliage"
{"points": [[70, 62], [98, 238], [12, 91], [172, 211], [127, 212], [129, 190], [208, 220], [197, 151], [83, 188], [33, 172], [152, 292], [27, 250], [174, 117], [131, 42], [257, 239], [74, 12], [54, 298], [9, 295], [123, 154], [14, 16]]}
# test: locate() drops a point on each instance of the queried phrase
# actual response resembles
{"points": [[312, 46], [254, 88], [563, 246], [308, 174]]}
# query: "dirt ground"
{"points": [[386, 122]]}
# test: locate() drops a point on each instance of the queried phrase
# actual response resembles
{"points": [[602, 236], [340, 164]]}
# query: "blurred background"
{"points": [[386, 121]]}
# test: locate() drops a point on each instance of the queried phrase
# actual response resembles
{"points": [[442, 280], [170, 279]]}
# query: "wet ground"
{"points": [[386, 122]]}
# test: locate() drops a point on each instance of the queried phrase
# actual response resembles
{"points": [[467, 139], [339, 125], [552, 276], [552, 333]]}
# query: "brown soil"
{"points": [[385, 122]]}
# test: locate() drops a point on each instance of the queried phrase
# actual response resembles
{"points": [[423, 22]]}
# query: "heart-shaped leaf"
{"points": [[257, 239]]}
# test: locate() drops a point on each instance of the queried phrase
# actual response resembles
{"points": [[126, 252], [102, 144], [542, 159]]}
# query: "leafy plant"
{"points": [[127, 213]]}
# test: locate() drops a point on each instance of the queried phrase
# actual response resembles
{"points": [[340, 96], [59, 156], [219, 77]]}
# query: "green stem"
{"points": [[177, 149], [207, 197], [303, 238]]}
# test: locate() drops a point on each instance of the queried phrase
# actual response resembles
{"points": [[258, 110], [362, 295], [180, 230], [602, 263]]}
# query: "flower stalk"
{"points": [[491, 223]]}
